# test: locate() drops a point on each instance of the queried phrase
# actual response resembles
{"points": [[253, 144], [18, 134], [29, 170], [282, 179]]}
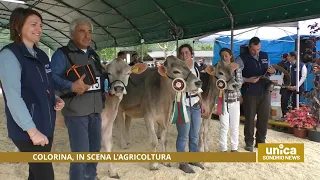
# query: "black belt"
{"points": [[194, 95], [196, 105]]}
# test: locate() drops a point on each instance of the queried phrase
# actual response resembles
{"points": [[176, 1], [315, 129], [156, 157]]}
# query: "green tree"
{"points": [[107, 54], [145, 50], [206, 47]]}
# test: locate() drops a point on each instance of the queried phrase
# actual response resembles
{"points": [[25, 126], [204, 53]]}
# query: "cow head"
{"points": [[224, 71], [118, 72], [176, 68]]}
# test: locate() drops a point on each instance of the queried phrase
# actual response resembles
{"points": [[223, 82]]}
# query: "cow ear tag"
{"points": [[135, 70]]}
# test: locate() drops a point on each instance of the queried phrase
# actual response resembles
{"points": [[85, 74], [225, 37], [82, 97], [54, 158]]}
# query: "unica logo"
{"points": [[281, 152]]}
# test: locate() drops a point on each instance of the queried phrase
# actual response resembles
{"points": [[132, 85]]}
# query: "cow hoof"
{"points": [[125, 145], [167, 164], [115, 176], [154, 167]]}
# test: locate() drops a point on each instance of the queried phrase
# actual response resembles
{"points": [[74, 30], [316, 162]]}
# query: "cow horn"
{"points": [[287, 77]]}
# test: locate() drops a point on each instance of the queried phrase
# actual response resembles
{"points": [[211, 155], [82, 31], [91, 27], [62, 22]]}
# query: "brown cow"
{"points": [[209, 95], [118, 76], [151, 96]]}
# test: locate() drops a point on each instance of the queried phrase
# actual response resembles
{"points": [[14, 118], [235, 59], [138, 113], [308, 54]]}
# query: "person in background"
{"points": [[134, 59], [284, 62], [190, 130], [255, 92], [291, 92], [121, 55], [84, 103], [231, 117], [316, 68], [202, 65], [157, 64], [28, 90], [316, 73]]}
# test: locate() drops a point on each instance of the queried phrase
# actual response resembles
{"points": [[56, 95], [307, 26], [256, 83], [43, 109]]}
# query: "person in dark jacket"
{"points": [[30, 102], [84, 103], [284, 61], [255, 91], [290, 92]]}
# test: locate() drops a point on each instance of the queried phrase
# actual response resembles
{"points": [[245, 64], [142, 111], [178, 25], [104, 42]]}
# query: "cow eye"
{"points": [[220, 73], [176, 72]]}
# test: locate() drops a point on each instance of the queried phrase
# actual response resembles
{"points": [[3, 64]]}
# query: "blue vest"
{"points": [[252, 68], [293, 73], [37, 91], [286, 66]]}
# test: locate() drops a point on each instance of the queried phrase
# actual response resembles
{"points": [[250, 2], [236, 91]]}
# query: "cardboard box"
{"points": [[276, 112]]}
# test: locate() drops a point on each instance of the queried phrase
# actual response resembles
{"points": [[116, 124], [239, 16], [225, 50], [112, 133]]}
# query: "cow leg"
{"points": [[153, 139], [126, 132], [159, 131], [53, 146], [163, 132], [201, 136], [106, 144], [121, 124], [205, 135]]}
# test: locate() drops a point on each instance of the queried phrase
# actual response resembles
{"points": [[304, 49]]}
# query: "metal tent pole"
{"points": [[142, 42], [232, 22], [177, 44], [49, 52]]}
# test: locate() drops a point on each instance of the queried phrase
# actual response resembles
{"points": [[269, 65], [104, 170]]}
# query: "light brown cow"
{"points": [[118, 76], [151, 96], [209, 95]]}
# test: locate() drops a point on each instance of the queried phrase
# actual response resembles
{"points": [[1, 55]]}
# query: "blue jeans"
{"points": [[84, 136], [189, 130]]}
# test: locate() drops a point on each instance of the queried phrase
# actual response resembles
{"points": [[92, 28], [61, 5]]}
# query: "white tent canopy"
{"points": [[270, 32]]}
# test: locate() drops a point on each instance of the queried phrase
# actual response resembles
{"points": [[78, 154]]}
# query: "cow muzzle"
{"points": [[118, 89]]}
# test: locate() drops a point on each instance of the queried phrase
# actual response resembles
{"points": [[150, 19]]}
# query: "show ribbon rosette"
{"points": [[180, 114], [221, 85]]}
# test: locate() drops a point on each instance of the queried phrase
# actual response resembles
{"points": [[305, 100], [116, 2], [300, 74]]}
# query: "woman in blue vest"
{"points": [[30, 102], [190, 130]]}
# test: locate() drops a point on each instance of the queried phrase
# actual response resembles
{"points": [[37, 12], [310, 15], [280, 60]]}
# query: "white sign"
{"points": [[275, 94], [96, 86]]}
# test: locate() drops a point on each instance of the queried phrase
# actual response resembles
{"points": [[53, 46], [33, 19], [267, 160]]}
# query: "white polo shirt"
{"points": [[196, 99]]}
